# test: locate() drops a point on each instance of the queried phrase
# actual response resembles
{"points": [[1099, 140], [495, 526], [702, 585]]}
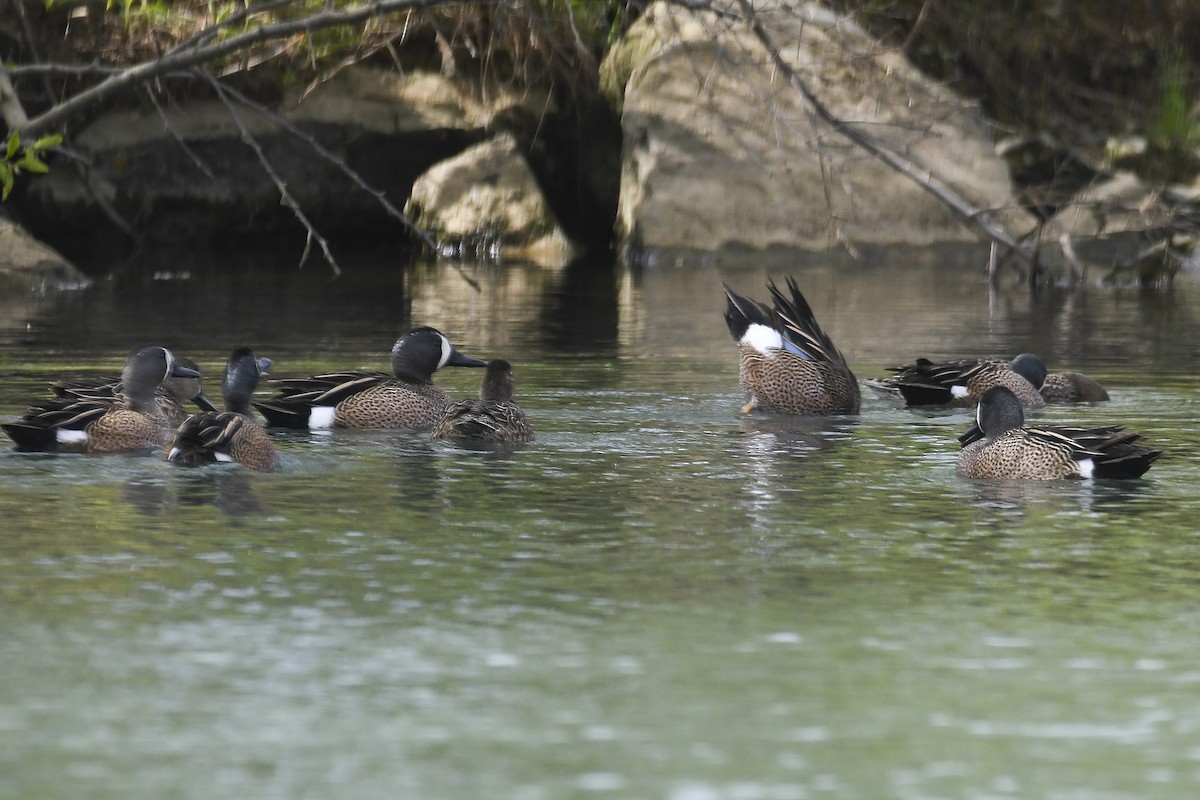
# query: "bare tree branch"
{"points": [[285, 196], [425, 236], [337, 161], [11, 109], [926, 180], [179, 140], [194, 56]]}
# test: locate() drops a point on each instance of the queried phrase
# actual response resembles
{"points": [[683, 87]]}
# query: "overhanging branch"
{"points": [[185, 57], [943, 192]]}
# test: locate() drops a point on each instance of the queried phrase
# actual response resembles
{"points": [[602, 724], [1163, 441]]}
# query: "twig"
{"points": [[337, 161], [923, 178], [31, 43], [191, 57], [208, 34], [179, 140], [425, 236], [11, 109], [67, 70], [285, 196]]}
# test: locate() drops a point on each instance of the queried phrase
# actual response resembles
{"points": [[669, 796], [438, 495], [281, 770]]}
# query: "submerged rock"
{"points": [[486, 202], [29, 264]]}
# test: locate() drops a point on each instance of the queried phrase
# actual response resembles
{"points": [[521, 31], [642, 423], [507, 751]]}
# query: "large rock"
{"points": [[486, 202], [187, 175], [27, 264], [720, 151]]}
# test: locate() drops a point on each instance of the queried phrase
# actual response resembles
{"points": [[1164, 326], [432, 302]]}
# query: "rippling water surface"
{"points": [[658, 598]]}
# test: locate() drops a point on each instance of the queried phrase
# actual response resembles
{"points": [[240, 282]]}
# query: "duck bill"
{"points": [[180, 371], [971, 434], [203, 403], [457, 359]]}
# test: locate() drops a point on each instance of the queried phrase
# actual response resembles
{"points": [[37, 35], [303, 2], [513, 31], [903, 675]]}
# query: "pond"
{"points": [[658, 598]]}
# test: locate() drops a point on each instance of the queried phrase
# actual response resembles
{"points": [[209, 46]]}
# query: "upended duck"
{"points": [[1000, 445], [408, 398], [232, 435], [494, 417], [787, 364], [131, 419]]}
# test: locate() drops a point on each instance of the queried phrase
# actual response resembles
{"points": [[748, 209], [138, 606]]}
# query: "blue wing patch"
{"points": [[795, 350]]}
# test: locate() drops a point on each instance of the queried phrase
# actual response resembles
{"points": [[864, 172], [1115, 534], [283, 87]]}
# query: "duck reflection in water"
{"points": [[230, 491]]}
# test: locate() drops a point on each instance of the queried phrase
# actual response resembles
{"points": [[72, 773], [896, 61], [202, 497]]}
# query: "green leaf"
{"points": [[46, 142], [6, 178], [31, 163], [14, 144]]}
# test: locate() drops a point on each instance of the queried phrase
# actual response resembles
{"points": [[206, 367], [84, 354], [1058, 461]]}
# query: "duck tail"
{"points": [[279, 413], [31, 438], [1126, 461], [742, 312]]}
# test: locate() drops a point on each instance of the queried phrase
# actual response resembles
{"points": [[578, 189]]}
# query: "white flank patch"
{"points": [[1087, 467], [321, 416], [171, 455], [762, 338], [959, 391], [67, 436], [446, 350], [224, 457]]}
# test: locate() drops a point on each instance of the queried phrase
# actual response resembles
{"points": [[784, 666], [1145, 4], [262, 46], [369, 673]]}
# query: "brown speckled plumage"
{"points": [[172, 394], [1000, 445], [493, 418], [926, 382], [787, 364], [1072, 387], [232, 434], [392, 404], [130, 419], [406, 399]]}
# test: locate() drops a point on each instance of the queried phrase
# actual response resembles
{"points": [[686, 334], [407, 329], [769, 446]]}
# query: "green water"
{"points": [[658, 598]]}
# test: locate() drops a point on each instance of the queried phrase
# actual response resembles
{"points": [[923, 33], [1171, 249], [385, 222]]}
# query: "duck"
{"points": [[408, 398], [493, 418], [1001, 445], [928, 383], [131, 419], [787, 364], [1072, 387], [172, 395], [232, 435]]}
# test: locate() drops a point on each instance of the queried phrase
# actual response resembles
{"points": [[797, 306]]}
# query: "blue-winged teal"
{"points": [[130, 420], [928, 383], [406, 399], [232, 434], [788, 364], [1072, 387], [172, 394], [962, 382], [494, 417], [1000, 445]]}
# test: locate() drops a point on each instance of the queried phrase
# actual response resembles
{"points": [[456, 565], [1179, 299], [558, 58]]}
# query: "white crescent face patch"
{"points": [[446, 350], [762, 338]]}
